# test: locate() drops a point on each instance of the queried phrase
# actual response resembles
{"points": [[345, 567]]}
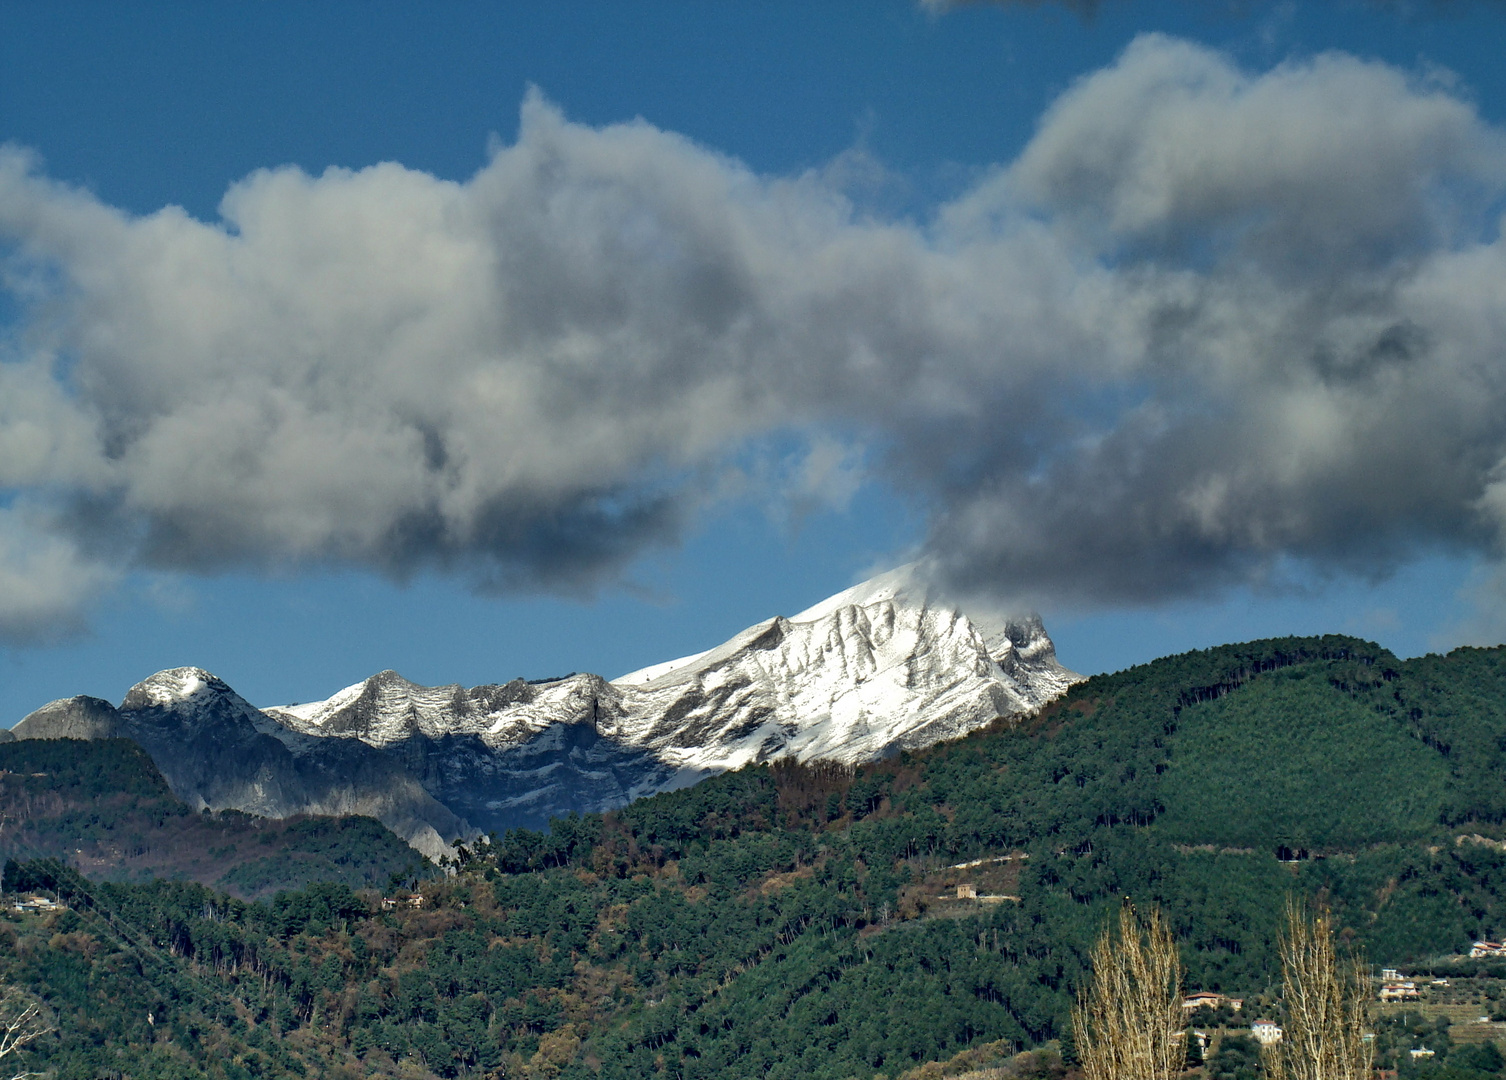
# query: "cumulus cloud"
{"points": [[1314, 258], [1210, 322]]}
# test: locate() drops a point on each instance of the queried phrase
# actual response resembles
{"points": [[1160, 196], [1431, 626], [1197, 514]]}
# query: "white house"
{"points": [[1266, 1032]]}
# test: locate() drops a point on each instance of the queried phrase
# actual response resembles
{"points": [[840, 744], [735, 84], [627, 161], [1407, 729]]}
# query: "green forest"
{"points": [[105, 807], [788, 921]]}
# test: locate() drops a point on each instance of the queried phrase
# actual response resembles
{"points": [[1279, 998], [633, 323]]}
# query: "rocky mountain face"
{"points": [[881, 667], [216, 750]]}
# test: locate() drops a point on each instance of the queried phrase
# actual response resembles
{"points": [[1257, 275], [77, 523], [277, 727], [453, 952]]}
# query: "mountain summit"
{"points": [[881, 667]]}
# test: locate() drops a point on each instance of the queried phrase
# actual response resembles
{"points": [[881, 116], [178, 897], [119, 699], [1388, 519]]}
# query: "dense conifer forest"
{"points": [[791, 922], [105, 807]]}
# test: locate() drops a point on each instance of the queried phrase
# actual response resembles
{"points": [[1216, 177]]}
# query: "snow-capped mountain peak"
{"points": [[902, 584], [878, 667], [193, 695], [174, 685]]}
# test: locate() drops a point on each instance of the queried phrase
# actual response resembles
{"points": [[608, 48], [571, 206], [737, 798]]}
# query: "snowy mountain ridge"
{"points": [[881, 667], [875, 668]]}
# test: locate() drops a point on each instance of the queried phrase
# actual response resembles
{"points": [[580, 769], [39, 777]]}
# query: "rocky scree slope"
{"points": [[881, 667]]}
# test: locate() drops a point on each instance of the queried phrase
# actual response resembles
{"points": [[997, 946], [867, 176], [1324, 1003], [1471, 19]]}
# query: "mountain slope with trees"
{"points": [[104, 806], [804, 921]]}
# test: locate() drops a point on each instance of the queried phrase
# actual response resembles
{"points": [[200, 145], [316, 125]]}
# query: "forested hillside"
{"points": [[795, 922], [104, 807]]}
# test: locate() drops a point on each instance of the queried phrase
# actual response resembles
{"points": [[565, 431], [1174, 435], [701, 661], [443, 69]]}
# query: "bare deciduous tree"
{"points": [[1128, 1019], [23, 1020], [1327, 1004]]}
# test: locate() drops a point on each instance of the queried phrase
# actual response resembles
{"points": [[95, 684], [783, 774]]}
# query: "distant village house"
{"points": [[1266, 1032], [1207, 999], [1487, 948], [1405, 990], [969, 891], [37, 903]]}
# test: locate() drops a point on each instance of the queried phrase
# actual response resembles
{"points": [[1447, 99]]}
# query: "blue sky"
{"points": [[878, 123]]}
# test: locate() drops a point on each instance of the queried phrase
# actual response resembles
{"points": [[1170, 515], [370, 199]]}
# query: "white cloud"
{"points": [[46, 584], [1207, 320], [1328, 166]]}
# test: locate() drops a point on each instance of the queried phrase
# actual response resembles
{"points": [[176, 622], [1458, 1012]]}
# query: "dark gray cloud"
{"points": [[1208, 323]]}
